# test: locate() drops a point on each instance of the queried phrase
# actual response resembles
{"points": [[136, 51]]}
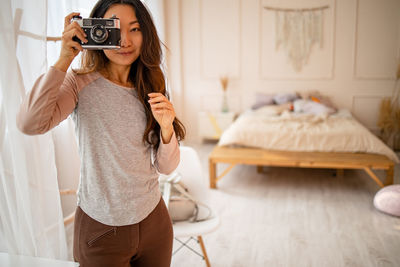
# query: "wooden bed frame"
{"points": [[329, 160]]}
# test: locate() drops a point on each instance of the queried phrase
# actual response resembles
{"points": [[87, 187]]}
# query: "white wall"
{"points": [[356, 66]]}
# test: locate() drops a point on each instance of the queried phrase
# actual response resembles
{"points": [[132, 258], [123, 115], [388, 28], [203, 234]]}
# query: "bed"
{"points": [[266, 137]]}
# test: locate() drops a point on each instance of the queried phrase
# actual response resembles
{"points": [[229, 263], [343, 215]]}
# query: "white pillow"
{"points": [[263, 100], [284, 98], [311, 107], [274, 110]]}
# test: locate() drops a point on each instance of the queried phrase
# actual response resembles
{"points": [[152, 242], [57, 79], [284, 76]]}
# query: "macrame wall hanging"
{"points": [[297, 30]]}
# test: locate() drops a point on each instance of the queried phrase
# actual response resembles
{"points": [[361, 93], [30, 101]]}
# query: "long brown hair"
{"points": [[145, 73]]}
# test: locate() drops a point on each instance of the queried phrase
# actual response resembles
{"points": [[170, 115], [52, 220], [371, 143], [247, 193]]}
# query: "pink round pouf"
{"points": [[387, 200]]}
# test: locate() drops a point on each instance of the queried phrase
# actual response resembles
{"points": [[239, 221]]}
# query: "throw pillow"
{"points": [[387, 200]]}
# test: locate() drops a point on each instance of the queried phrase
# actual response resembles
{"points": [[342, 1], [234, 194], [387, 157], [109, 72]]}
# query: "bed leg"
{"points": [[389, 175], [259, 169], [213, 173]]}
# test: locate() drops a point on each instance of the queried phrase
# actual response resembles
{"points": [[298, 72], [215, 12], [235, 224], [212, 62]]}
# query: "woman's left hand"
{"points": [[163, 111]]}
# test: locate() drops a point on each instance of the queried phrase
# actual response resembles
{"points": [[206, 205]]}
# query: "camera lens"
{"points": [[98, 33]]}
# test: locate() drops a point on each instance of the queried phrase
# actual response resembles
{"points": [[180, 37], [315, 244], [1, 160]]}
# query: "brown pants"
{"points": [[147, 243]]}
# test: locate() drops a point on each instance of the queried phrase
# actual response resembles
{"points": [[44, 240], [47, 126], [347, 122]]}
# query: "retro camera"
{"points": [[101, 33]]}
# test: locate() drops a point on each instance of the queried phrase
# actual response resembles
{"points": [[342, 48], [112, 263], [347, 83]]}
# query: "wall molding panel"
{"points": [[376, 40], [366, 109], [220, 38]]}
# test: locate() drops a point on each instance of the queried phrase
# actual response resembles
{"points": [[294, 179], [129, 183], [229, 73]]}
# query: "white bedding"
{"points": [[303, 132]]}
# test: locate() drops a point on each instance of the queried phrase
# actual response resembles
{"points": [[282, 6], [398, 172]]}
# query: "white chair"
{"points": [[191, 172]]}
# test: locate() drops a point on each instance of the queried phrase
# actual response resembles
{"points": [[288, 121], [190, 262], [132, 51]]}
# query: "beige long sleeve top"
{"points": [[118, 180]]}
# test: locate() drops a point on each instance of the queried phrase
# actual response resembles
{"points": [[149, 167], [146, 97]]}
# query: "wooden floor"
{"points": [[296, 217], [10, 260]]}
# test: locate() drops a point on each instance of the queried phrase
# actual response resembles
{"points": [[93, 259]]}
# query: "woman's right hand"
{"points": [[70, 48]]}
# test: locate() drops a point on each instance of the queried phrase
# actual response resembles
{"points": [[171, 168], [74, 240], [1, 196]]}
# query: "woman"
{"points": [[118, 103]]}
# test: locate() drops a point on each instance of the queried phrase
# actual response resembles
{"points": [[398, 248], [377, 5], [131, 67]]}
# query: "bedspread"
{"points": [[290, 131]]}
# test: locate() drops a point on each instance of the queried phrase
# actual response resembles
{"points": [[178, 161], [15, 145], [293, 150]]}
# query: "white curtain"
{"points": [[31, 220]]}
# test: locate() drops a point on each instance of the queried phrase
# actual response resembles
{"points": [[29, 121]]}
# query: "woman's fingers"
{"points": [[76, 26], [162, 105], [69, 47], [156, 98], [69, 43], [75, 45], [152, 95], [78, 33], [75, 30], [162, 108], [67, 19]]}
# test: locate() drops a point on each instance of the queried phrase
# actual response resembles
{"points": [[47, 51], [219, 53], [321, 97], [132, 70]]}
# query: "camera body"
{"points": [[101, 33]]}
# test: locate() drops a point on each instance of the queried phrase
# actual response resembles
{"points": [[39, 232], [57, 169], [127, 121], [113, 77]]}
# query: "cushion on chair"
{"points": [[387, 200]]}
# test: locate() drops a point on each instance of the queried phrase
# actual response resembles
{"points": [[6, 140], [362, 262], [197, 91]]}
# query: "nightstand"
{"points": [[212, 124]]}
